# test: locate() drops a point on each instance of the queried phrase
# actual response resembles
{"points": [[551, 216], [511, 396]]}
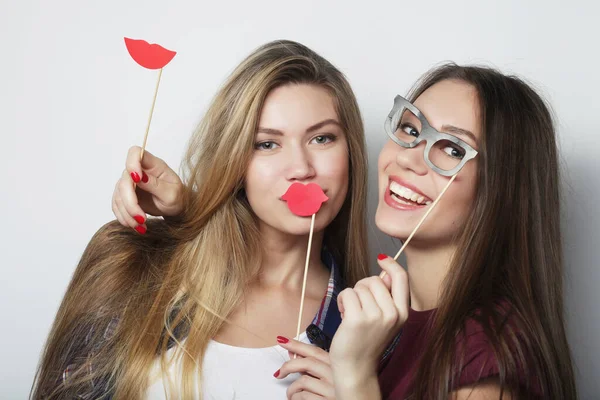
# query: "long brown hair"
{"points": [[184, 279], [507, 273]]}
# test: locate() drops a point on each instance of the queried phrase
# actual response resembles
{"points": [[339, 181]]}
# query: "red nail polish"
{"points": [[135, 177], [144, 177], [141, 229], [283, 340], [276, 374], [382, 257], [139, 219]]}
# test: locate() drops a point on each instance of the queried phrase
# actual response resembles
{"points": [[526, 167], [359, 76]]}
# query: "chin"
{"points": [[429, 234], [298, 226], [301, 228], [390, 224]]}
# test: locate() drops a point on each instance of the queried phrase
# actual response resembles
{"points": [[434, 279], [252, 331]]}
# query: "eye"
{"points": [[323, 139], [267, 145], [454, 152], [410, 130]]}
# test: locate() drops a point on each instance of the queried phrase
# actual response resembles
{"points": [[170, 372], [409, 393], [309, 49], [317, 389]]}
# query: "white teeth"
{"points": [[408, 194]]}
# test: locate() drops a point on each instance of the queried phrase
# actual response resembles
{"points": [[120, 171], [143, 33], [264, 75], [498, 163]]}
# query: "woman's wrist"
{"points": [[349, 386], [355, 380]]}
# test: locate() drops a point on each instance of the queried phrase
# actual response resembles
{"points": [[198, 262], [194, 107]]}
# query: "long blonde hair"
{"points": [[133, 296]]}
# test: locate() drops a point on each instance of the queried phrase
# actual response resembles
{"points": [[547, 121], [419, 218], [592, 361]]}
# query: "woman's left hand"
{"points": [[312, 362]]}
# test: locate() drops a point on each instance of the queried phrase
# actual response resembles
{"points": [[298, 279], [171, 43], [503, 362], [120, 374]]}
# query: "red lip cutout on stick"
{"points": [[304, 200], [151, 56]]}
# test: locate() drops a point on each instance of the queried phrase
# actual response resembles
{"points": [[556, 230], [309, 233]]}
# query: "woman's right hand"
{"points": [[146, 187]]}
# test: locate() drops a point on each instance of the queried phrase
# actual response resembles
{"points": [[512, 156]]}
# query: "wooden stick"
{"points": [[421, 222], [151, 112], [310, 235]]}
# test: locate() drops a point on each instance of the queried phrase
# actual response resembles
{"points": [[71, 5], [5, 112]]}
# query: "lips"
{"points": [[400, 204], [151, 56], [402, 195], [304, 200], [407, 185]]}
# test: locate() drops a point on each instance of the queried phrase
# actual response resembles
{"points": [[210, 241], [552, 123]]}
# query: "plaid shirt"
{"points": [[325, 323], [320, 332]]}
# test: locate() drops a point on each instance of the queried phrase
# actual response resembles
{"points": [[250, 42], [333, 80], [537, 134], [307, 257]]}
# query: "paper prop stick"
{"points": [[150, 56], [383, 273], [304, 201]]}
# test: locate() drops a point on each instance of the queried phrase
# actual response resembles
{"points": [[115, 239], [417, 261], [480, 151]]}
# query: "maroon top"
{"points": [[396, 376]]}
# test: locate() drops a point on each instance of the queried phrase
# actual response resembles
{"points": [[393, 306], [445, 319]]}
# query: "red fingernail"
{"points": [[144, 177], [283, 340], [135, 177], [382, 256], [139, 219], [141, 229], [276, 374]]}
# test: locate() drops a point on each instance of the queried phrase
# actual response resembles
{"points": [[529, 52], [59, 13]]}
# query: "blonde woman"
{"points": [[191, 307]]}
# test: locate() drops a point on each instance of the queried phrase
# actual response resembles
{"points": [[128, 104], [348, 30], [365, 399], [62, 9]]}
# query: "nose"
{"points": [[412, 159], [299, 165]]}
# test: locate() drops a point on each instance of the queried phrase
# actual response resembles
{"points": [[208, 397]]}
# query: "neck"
{"points": [[284, 258], [427, 268]]}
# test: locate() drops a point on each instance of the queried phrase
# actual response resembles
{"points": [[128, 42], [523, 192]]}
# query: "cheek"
{"points": [[469, 178], [461, 195], [387, 155], [260, 174], [461, 200], [334, 165], [386, 158]]}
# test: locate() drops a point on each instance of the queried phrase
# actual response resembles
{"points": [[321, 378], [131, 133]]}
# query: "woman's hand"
{"points": [[373, 313], [312, 362], [146, 187]]}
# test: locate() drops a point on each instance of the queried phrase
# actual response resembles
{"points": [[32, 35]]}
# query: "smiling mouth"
{"points": [[406, 196]]}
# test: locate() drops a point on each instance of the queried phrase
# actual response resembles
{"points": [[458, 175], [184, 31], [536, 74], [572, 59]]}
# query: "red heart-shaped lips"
{"points": [[151, 56], [304, 200]]}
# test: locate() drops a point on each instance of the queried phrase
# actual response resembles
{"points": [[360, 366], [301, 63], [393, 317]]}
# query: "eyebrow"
{"points": [[313, 128], [459, 131]]}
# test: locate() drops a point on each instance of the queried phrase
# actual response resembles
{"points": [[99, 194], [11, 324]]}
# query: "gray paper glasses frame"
{"points": [[428, 134]]}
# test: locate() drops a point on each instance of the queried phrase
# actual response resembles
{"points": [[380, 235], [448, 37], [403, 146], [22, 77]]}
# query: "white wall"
{"points": [[72, 102]]}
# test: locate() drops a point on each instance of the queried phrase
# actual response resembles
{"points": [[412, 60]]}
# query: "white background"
{"points": [[72, 101]]}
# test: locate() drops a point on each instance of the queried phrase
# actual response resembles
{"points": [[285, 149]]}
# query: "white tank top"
{"points": [[231, 372]]}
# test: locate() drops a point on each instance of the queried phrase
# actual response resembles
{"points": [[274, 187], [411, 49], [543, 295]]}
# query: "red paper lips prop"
{"points": [[304, 200], [151, 56]]}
